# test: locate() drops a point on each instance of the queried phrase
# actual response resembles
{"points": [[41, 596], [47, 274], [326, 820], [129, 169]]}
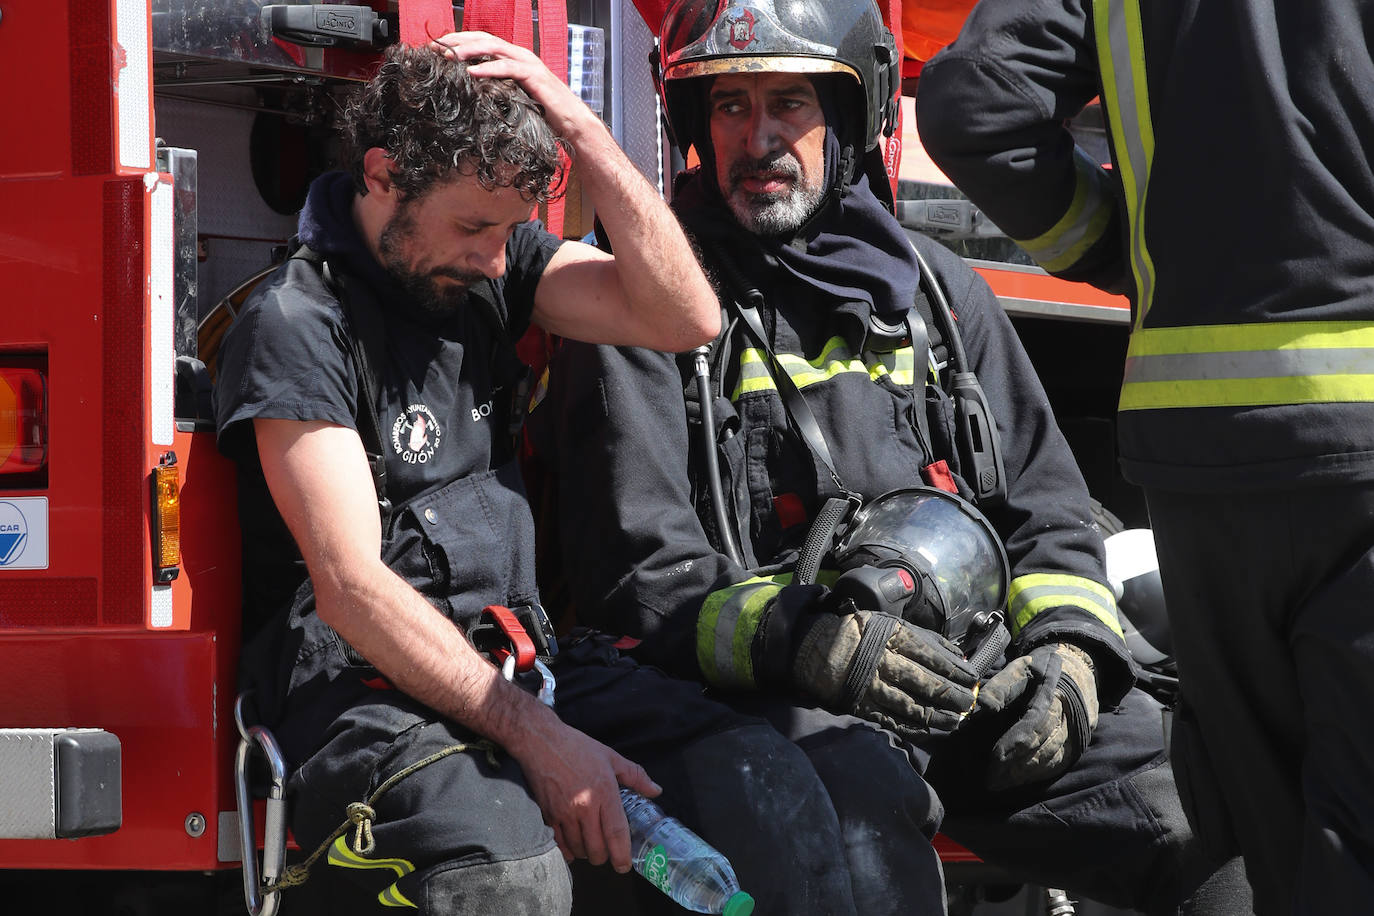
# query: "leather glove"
{"points": [[881, 668], [1056, 692]]}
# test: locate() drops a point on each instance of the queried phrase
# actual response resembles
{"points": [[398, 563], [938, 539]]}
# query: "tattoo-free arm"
{"points": [[321, 484], [652, 293]]}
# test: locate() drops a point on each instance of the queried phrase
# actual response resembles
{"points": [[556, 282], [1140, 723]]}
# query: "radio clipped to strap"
{"points": [[979, 445]]}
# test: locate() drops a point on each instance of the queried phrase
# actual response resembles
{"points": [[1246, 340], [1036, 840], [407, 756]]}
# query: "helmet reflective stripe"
{"points": [[1118, 32], [1082, 225], [1031, 594], [759, 64], [1248, 365], [726, 626], [834, 359]]}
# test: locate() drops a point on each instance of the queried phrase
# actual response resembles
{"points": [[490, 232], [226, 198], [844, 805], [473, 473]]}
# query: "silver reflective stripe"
{"points": [[1082, 225], [1121, 53], [1035, 593], [1249, 365], [726, 626]]}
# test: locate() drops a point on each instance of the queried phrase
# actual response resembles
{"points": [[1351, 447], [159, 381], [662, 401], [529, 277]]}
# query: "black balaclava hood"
{"points": [[851, 249]]}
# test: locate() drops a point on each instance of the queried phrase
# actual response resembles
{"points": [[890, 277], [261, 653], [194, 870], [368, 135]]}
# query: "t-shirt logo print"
{"points": [[415, 434]]}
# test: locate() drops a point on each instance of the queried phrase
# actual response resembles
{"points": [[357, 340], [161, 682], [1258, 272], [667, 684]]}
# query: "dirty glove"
{"points": [[881, 668], [1056, 692]]}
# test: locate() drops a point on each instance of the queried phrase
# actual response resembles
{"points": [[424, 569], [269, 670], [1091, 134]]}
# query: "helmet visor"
{"points": [[940, 534]]}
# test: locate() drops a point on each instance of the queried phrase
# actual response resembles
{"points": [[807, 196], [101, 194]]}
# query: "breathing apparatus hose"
{"points": [[702, 371]]}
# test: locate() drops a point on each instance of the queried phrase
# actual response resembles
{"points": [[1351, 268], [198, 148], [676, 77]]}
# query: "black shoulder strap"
{"points": [[979, 445], [367, 336], [743, 299]]}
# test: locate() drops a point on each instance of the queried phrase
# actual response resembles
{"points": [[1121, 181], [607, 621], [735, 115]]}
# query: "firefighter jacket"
{"points": [[1238, 212], [637, 548]]}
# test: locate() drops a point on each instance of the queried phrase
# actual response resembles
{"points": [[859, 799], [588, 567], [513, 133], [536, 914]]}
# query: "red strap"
{"points": [[508, 19], [651, 11], [892, 152], [423, 20], [789, 510], [892, 149], [937, 475], [520, 641], [514, 21], [553, 50]]}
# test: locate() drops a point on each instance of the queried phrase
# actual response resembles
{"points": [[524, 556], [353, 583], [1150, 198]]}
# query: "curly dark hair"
{"points": [[433, 118]]}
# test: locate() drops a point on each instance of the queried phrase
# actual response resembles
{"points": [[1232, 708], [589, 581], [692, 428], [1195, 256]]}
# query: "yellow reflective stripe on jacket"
{"points": [[1121, 55], [1249, 365], [835, 359], [1033, 593], [1082, 225], [342, 856], [726, 626]]}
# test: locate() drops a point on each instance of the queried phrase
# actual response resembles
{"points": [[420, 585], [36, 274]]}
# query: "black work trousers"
{"points": [[462, 835], [1111, 828], [1271, 604]]}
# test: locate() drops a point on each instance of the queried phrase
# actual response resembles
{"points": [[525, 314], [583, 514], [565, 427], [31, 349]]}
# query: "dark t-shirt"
{"points": [[445, 388]]}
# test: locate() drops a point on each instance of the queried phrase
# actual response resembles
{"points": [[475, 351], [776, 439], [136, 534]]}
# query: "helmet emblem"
{"points": [[742, 30]]}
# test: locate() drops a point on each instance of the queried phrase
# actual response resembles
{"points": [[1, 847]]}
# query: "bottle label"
{"points": [[656, 869]]}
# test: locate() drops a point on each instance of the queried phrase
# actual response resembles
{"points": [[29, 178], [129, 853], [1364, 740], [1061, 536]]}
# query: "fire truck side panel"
{"points": [[75, 293], [158, 694]]}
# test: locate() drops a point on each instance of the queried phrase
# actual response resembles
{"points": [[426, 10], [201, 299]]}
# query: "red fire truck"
{"points": [[156, 155]]}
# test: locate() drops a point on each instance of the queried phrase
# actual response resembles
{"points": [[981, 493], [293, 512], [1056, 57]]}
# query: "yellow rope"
{"points": [[362, 814]]}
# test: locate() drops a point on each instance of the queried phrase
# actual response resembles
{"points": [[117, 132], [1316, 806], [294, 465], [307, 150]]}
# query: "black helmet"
{"points": [[711, 37]]}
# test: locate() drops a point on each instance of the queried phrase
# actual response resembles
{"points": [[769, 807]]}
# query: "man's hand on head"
{"points": [[652, 293], [567, 114]]}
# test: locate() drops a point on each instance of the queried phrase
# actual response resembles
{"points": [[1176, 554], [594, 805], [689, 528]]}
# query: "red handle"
{"points": [[520, 641]]}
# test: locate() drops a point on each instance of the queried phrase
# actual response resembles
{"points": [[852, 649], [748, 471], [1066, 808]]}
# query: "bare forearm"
{"points": [[658, 273], [424, 655], [653, 294]]}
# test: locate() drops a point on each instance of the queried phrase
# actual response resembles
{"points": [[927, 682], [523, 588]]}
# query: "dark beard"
{"points": [[423, 288]]}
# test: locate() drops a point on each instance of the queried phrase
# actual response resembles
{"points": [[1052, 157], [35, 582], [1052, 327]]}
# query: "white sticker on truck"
{"points": [[24, 533]]}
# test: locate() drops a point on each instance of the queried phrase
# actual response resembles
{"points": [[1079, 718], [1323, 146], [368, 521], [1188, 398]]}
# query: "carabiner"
{"points": [[256, 737]]}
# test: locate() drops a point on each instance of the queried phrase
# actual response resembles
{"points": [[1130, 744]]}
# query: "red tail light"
{"points": [[23, 419]]}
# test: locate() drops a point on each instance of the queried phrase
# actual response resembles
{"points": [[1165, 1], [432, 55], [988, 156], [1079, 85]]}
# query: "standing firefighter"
{"points": [[389, 337], [828, 390], [1239, 215]]}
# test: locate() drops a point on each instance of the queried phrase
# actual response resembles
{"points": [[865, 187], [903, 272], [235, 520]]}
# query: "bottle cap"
{"points": [[741, 904]]}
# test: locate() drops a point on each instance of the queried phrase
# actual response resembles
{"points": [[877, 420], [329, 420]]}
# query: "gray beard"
{"points": [[780, 213], [775, 214]]}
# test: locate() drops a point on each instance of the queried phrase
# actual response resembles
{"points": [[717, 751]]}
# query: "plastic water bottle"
{"points": [[680, 863]]}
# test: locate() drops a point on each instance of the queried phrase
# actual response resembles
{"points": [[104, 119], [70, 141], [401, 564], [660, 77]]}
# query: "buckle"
{"points": [[523, 633]]}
